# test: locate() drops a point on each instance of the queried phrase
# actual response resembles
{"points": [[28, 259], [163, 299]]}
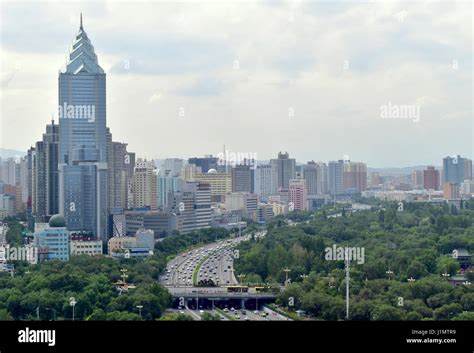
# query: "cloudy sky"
{"points": [[307, 77]]}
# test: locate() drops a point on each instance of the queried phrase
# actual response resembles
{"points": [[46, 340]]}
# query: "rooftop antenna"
{"points": [[225, 161], [80, 27]]}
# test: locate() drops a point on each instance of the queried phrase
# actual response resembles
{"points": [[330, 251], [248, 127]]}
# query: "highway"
{"points": [[215, 262], [212, 262]]}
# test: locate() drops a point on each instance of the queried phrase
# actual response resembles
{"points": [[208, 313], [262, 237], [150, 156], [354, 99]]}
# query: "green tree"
{"points": [[447, 312]]}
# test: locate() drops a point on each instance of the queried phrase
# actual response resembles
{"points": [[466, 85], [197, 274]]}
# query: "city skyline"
{"points": [[273, 160], [214, 94]]}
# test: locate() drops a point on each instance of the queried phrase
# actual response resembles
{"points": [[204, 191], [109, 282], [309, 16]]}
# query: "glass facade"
{"points": [[83, 140]]}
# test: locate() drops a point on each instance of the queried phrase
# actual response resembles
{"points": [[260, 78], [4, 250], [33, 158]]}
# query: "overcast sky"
{"points": [[305, 77]]}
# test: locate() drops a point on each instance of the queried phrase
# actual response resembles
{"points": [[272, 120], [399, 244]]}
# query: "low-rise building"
{"points": [[54, 237], [92, 247]]}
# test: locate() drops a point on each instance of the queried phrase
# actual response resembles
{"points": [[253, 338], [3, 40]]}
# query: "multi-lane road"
{"points": [[211, 263]]}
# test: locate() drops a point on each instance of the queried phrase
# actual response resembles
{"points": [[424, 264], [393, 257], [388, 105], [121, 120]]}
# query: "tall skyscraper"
{"points": [[335, 170], [120, 164], [322, 178], [45, 199], [265, 181], [83, 140], [242, 178], [430, 178], [144, 184], [456, 169], [82, 101], [310, 174], [285, 168]]}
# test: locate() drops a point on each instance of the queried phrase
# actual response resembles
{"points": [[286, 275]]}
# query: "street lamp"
{"points": [[140, 310], [72, 302], [466, 283], [445, 275], [389, 274], [286, 270], [411, 279], [303, 276]]}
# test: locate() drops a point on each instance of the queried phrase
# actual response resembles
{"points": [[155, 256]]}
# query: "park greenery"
{"points": [[43, 291], [414, 244]]}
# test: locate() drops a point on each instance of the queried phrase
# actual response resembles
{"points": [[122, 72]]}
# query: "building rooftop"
{"points": [[57, 221], [82, 57]]}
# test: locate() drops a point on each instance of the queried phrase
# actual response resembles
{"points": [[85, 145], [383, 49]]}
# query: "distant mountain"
{"points": [[7, 153], [398, 171]]}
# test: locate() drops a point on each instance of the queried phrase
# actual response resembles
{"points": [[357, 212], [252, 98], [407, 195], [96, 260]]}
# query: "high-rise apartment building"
{"points": [[285, 168], [322, 178], [265, 181], [242, 178], [120, 165], [354, 177], [456, 169], [335, 172], [310, 174], [144, 184], [430, 178], [417, 179], [298, 200]]}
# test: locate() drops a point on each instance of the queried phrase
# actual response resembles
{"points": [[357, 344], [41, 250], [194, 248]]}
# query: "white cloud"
{"points": [[161, 56]]}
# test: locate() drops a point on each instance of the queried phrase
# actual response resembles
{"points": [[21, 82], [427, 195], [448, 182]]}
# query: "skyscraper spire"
{"points": [[80, 27]]}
